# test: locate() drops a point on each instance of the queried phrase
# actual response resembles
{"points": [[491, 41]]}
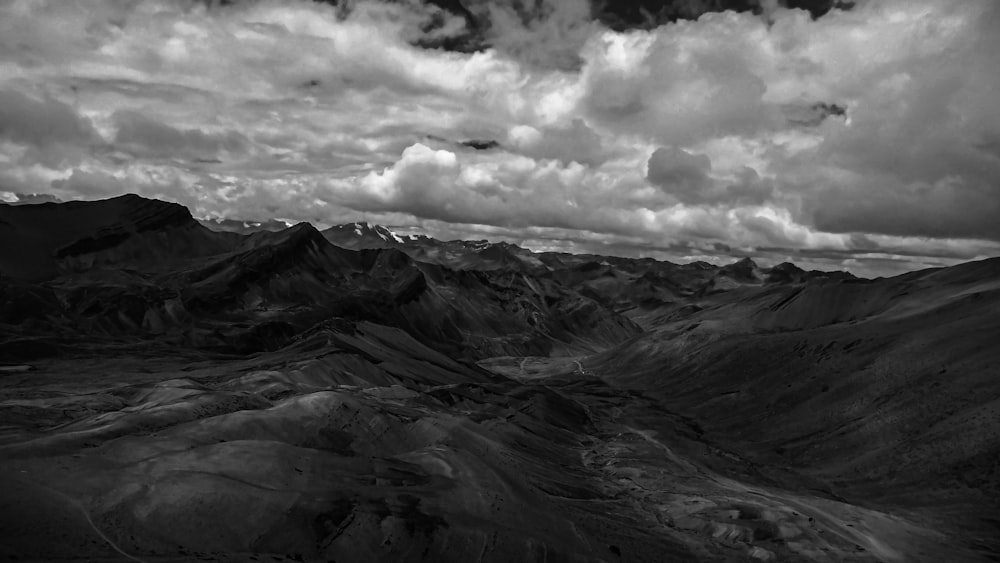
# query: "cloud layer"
{"points": [[865, 139]]}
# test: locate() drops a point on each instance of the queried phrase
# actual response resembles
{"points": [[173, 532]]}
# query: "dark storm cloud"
{"points": [[42, 122], [685, 176], [648, 14], [147, 137], [679, 173], [488, 23], [949, 209], [811, 115], [50, 132], [550, 33], [480, 144]]}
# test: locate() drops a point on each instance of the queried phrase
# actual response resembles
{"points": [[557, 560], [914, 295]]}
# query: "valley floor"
{"points": [[292, 456]]}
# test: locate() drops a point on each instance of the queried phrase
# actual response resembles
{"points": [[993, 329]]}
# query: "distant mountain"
{"points": [[744, 270], [457, 254], [44, 240], [15, 198], [130, 267], [364, 235], [173, 392], [244, 227], [472, 298], [786, 272]]}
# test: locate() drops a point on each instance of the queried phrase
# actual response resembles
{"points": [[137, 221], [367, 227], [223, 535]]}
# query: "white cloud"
{"points": [[574, 142], [725, 130], [96, 184]]}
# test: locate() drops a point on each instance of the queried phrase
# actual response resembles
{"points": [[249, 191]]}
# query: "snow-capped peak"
{"points": [[362, 228], [387, 235]]}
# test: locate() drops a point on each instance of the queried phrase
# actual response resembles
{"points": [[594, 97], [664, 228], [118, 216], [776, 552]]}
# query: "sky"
{"points": [[862, 136]]}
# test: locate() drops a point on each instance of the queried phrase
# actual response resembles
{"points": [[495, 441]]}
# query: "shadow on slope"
{"points": [[128, 269], [355, 443], [886, 391]]}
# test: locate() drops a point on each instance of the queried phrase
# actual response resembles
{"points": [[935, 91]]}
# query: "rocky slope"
{"points": [[46, 240], [130, 269], [173, 393], [883, 393]]}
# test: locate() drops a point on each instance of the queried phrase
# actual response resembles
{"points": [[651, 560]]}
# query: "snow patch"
{"points": [[387, 235]]}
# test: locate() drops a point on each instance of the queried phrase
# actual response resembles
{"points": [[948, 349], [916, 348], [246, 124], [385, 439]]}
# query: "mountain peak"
{"points": [[362, 234], [242, 226], [364, 228], [745, 262], [787, 267], [297, 233], [743, 270], [786, 272]]}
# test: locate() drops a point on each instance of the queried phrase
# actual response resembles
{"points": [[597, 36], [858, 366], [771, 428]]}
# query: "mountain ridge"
{"points": [[212, 395], [233, 288]]}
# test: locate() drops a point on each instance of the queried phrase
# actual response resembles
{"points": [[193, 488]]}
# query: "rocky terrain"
{"points": [[176, 390]]}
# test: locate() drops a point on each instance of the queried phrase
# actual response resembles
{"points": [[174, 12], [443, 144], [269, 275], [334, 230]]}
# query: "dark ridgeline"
{"points": [[171, 390]]}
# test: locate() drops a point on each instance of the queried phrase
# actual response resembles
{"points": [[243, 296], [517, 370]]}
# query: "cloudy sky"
{"points": [[860, 135]]}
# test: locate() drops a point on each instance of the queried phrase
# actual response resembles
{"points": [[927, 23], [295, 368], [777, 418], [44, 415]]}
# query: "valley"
{"points": [[173, 393]]}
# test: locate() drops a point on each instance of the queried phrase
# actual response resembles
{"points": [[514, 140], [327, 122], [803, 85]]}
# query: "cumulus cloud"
{"points": [[490, 189], [679, 173], [687, 178], [910, 162], [862, 138], [573, 142], [681, 83], [546, 33]]}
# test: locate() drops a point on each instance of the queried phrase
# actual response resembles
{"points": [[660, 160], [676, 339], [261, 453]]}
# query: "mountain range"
{"points": [[177, 389]]}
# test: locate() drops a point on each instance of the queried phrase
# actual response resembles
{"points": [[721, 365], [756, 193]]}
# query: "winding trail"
{"points": [[79, 506], [831, 522], [686, 464]]}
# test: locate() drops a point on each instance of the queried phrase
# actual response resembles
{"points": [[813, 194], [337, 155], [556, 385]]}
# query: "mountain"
{"points": [[173, 392], [151, 271], [244, 227], [363, 235], [623, 283], [884, 391], [45, 240], [455, 254]]}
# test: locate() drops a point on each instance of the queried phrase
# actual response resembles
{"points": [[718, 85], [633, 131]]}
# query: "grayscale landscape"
{"points": [[411, 399], [468, 281]]}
